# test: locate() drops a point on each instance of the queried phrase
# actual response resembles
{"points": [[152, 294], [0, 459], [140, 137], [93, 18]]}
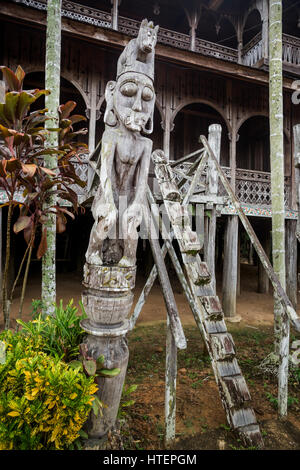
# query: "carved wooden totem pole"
{"points": [[123, 165]]}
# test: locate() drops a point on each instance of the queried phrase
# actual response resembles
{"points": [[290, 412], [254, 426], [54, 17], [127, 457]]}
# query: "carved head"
{"points": [[147, 37], [130, 101]]}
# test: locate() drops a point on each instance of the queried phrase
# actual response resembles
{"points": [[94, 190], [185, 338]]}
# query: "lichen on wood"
{"points": [[52, 83]]}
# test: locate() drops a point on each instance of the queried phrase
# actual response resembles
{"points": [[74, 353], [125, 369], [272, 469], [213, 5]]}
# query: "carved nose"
{"points": [[137, 106]]}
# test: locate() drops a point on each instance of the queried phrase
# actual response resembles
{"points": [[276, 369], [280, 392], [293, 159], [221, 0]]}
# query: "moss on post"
{"points": [[277, 192], [52, 83]]}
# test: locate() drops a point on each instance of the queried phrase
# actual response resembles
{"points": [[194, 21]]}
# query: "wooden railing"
{"points": [[254, 187]]}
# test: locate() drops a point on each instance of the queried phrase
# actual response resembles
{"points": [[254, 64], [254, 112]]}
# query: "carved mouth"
{"points": [[147, 48], [133, 123]]}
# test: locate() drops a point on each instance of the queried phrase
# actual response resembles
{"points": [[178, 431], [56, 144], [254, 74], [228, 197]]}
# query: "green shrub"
{"points": [[61, 333], [44, 402]]}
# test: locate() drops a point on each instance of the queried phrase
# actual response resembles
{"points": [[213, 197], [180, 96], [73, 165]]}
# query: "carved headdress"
{"points": [[138, 55]]}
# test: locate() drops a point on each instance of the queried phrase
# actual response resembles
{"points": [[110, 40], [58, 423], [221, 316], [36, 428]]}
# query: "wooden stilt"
{"points": [[214, 140], [291, 261], [238, 286], [170, 388], [229, 288]]}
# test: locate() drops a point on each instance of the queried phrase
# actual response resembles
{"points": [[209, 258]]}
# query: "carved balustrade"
{"points": [[251, 187]]}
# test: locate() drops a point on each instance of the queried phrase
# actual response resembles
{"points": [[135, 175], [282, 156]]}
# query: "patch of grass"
{"points": [[197, 384], [189, 423], [225, 427]]}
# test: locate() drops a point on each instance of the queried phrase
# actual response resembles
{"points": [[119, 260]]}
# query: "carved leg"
{"points": [[99, 233], [130, 221]]}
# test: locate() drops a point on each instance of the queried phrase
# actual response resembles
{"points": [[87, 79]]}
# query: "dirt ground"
{"points": [[200, 418], [254, 308]]}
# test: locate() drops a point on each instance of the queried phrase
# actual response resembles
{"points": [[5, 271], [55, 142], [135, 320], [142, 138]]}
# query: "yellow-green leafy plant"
{"points": [[44, 402], [61, 332]]}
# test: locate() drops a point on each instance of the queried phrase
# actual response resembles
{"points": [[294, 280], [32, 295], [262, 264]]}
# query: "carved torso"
{"points": [[127, 157]]}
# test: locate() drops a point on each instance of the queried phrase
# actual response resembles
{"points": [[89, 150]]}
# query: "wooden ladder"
{"points": [[205, 304]]}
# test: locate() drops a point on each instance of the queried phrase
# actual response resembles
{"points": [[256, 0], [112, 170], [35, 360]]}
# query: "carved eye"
{"points": [[147, 94], [129, 89]]}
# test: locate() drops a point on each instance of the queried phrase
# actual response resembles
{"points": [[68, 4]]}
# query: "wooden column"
{"points": [[229, 288], [115, 14], [93, 114], [193, 20], [167, 126], [230, 268], [265, 29], [263, 283], [2, 91], [291, 261], [214, 140], [296, 132], [240, 42], [238, 287]]}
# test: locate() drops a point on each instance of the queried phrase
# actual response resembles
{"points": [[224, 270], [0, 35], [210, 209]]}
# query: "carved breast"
{"points": [[129, 153]]}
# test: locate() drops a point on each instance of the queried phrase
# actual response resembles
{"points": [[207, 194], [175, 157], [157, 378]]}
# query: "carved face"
{"points": [[134, 99], [147, 37]]}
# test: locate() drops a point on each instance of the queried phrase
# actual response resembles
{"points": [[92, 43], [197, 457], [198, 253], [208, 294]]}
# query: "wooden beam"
{"points": [[20, 14]]}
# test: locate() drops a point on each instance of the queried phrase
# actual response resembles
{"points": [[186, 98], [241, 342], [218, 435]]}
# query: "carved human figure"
{"points": [[125, 156]]}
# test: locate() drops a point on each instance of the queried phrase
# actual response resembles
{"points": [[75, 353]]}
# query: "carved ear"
{"points": [[144, 23], [151, 25], [156, 29], [109, 116]]}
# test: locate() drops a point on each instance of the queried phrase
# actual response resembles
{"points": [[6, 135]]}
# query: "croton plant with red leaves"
{"points": [[22, 170]]}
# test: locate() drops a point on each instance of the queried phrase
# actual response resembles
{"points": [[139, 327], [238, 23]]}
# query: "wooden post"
{"points": [[170, 389], [291, 261], [265, 29], [115, 14], [193, 20], [214, 140], [167, 125], [91, 114], [296, 132], [229, 288], [52, 83], [240, 41], [281, 323], [2, 91], [238, 287]]}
